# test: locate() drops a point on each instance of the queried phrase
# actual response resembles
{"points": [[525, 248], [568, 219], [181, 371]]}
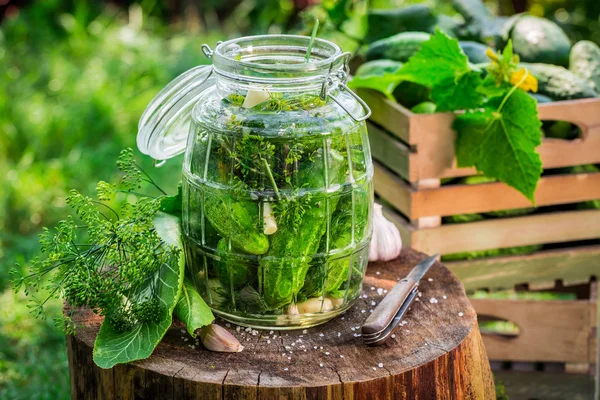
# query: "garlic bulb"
{"points": [[314, 305], [386, 242], [217, 338]]}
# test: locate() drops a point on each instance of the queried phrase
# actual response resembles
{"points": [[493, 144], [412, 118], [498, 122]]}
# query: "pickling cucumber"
{"points": [[385, 23], [285, 265], [585, 62], [399, 47], [559, 83], [539, 40]]}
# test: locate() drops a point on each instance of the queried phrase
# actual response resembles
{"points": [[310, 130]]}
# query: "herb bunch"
{"points": [[106, 259]]}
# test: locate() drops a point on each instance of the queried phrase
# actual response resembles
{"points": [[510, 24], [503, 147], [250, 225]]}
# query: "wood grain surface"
{"points": [[437, 354]]}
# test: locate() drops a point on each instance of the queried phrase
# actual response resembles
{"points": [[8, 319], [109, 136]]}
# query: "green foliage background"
{"points": [[75, 75]]}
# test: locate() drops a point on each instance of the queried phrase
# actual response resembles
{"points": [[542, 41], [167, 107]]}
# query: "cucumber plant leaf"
{"points": [[460, 94], [501, 143], [115, 346], [439, 59], [385, 83], [192, 310]]}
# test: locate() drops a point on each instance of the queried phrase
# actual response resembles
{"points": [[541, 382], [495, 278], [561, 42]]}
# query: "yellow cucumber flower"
{"points": [[524, 80]]}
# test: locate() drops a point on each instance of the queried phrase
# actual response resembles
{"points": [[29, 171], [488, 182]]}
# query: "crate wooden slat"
{"points": [[571, 266], [431, 138], [546, 228], [465, 199], [549, 331]]}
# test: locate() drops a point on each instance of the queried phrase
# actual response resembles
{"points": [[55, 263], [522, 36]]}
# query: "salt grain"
{"points": [[372, 287], [444, 297], [326, 353], [285, 369], [305, 331], [341, 356], [460, 314], [374, 369], [183, 331], [363, 311], [373, 303], [377, 273], [320, 334], [228, 325], [430, 279], [321, 365], [268, 342], [433, 300], [393, 336], [380, 365], [380, 291]]}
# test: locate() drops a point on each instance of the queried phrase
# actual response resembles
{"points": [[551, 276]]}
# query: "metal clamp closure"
{"points": [[342, 75]]}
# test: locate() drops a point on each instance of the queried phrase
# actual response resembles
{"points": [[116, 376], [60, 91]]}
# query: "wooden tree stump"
{"points": [[437, 354]]}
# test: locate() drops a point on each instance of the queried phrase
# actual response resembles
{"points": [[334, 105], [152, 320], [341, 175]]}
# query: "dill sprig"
{"points": [[106, 259]]}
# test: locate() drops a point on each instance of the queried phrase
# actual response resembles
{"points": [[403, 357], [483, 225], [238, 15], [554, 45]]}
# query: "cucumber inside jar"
{"points": [[278, 209]]}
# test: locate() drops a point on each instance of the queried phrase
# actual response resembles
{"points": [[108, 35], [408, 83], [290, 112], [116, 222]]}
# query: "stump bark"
{"points": [[437, 354]]}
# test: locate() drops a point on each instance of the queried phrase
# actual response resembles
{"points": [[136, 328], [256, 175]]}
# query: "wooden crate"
{"points": [[550, 331], [413, 152]]}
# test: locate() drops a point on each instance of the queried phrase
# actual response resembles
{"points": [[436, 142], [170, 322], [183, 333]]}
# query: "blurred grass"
{"points": [[72, 88]]}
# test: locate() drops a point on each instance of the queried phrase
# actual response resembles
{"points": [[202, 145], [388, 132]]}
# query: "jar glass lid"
{"points": [[165, 124]]}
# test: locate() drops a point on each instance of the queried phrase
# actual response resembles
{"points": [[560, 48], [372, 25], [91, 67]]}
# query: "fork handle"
{"points": [[384, 313]]}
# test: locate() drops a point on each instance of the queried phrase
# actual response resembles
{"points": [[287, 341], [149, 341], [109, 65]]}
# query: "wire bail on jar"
{"points": [[343, 77]]}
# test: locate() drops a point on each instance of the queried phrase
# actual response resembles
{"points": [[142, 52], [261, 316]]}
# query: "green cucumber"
{"points": [[285, 265], [319, 281], [477, 18], [233, 272], [509, 251], [427, 107], [378, 67], [476, 52], [235, 219], [385, 23], [539, 40], [585, 62], [399, 47], [559, 83]]}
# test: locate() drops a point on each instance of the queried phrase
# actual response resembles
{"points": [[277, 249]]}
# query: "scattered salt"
{"points": [[320, 334], [430, 279], [393, 336], [363, 311], [341, 356], [305, 331], [433, 300], [444, 297], [377, 273], [460, 314], [321, 365], [374, 369], [380, 365], [285, 369], [380, 291], [372, 287], [326, 353], [268, 342]]}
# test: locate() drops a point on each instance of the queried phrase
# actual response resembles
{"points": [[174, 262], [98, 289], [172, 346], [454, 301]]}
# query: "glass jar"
{"points": [[277, 179]]}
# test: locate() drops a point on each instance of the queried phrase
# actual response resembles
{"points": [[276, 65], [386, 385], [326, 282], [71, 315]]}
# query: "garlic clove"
{"points": [[217, 338], [270, 225], [315, 305], [255, 97], [336, 301], [386, 242]]}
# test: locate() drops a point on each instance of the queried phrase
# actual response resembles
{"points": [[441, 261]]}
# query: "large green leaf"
{"points": [[192, 310], [501, 144], [439, 59], [116, 347], [451, 94]]}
